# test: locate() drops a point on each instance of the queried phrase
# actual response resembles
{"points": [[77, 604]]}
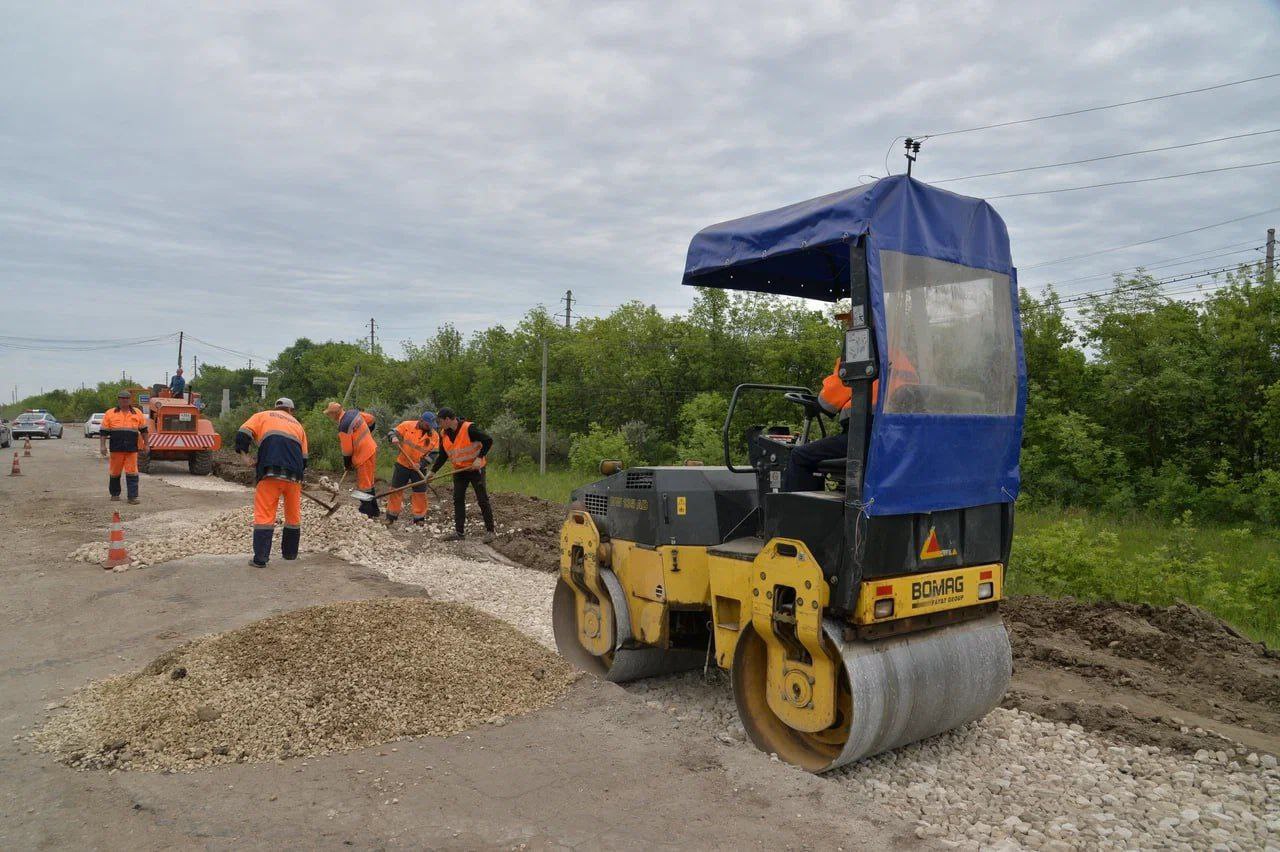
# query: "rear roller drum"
{"points": [[891, 691], [621, 664]]}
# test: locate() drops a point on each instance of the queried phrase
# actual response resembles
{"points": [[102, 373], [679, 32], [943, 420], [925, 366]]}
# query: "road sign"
{"points": [[260, 380]]}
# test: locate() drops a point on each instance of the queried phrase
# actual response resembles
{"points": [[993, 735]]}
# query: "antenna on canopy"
{"points": [[913, 151]]}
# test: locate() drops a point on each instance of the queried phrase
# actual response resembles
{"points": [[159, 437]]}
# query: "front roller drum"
{"points": [[891, 692], [622, 663]]}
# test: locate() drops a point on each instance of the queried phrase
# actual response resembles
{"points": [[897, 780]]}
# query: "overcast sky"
{"points": [[256, 172]]}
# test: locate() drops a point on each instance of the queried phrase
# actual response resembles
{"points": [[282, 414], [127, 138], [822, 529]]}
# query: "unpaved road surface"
{"points": [[662, 763], [597, 769]]}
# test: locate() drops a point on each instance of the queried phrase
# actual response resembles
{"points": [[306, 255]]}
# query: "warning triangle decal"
{"points": [[933, 550]]}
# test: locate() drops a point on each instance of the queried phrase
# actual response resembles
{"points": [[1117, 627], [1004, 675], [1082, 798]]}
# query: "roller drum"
{"points": [[623, 664], [907, 688]]}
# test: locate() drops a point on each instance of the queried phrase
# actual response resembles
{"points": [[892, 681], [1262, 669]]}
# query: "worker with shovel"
{"points": [[465, 446], [282, 459], [417, 440], [359, 449]]}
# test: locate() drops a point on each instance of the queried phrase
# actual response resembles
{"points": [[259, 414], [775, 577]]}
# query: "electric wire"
{"points": [[1176, 260], [1151, 240], [1132, 181], [1105, 157]]}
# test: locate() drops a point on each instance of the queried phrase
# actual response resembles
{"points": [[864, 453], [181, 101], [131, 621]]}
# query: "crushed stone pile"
{"points": [[1014, 780], [347, 534], [316, 680]]}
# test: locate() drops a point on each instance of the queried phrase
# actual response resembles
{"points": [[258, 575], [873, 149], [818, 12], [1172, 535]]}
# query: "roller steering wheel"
{"points": [[807, 400]]}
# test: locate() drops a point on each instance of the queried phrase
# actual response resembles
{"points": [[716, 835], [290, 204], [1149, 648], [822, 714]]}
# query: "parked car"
{"points": [[6, 434], [36, 424], [93, 426]]}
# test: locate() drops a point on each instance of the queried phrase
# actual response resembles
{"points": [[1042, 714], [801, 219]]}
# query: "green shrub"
{"points": [[600, 443], [511, 441]]}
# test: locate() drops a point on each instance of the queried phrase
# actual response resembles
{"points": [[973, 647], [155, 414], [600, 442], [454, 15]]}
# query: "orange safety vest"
{"points": [[125, 427], [835, 396], [414, 444], [464, 454], [356, 440]]}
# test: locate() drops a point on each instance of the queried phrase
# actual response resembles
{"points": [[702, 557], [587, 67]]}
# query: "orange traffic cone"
{"points": [[116, 554], [15, 470], [26, 447]]}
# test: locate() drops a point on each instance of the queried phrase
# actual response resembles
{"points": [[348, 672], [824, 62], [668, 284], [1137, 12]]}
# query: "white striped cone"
{"points": [[116, 553], [26, 447], [15, 470]]}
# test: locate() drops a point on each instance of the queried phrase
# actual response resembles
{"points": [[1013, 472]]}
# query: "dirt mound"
{"points": [[1173, 676], [316, 680], [534, 539]]}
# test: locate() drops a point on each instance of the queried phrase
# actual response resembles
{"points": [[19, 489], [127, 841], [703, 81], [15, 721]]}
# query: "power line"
{"points": [[1094, 108], [1208, 254], [1137, 286], [1152, 240], [226, 349], [1105, 157], [1135, 180]]}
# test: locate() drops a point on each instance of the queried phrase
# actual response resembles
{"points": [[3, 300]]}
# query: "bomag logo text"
{"points": [[937, 588], [639, 504]]}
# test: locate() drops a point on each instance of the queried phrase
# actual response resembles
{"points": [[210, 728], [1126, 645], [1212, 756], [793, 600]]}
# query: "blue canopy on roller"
{"points": [[944, 311]]}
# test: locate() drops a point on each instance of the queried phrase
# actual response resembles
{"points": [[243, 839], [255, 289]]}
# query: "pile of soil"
{"points": [[533, 539], [315, 680], [1172, 676]]}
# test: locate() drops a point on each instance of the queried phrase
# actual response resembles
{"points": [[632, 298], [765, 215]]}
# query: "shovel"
{"points": [[365, 496]]}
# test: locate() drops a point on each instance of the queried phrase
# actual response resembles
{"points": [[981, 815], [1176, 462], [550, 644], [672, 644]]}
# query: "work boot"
{"points": [[417, 522], [488, 536], [253, 563], [133, 501], [391, 520], [115, 498], [455, 536]]}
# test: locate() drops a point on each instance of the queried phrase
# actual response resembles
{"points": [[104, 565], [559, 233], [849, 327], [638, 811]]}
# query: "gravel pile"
{"points": [[316, 680], [1019, 780], [347, 535]]}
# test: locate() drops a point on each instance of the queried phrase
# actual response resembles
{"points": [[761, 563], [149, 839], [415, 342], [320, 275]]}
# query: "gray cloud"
{"points": [[253, 174]]}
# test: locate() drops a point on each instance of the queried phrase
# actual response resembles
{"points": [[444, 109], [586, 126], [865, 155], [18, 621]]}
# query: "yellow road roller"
{"points": [[847, 572]]}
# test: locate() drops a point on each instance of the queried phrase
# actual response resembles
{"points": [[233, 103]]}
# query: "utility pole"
{"points": [[180, 336], [370, 335], [195, 367], [568, 308], [542, 429], [1270, 272]]}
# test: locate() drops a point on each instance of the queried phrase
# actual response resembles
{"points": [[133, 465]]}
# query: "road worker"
{"points": [[465, 447], [417, 441], [282, 459], [177, 384], [125, 429], [835, 397], [359, 449]]}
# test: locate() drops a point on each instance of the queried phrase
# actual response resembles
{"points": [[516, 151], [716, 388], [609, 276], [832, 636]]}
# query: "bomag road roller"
{"points": [[859, 611]]}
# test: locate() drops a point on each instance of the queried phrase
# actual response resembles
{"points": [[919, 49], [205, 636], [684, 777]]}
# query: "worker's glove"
{"points": [[346, 463]]}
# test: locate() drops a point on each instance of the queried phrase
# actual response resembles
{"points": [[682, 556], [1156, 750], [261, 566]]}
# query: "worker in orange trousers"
{"points": [[282, 461], [124, 428], [359, 449]]}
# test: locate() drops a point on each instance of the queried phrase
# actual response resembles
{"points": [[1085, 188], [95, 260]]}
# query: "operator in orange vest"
{"points": [[417, 440], [465, 447], [359, 449], [282, 459], [125, 428], [836, 398]]}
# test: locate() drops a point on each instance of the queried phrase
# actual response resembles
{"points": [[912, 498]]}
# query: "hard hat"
{"points": [[429, 417], [284, 402], [333, 408]]}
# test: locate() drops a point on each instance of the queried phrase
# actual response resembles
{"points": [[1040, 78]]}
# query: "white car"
{"points": [[93, 426], [37, 423]]}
